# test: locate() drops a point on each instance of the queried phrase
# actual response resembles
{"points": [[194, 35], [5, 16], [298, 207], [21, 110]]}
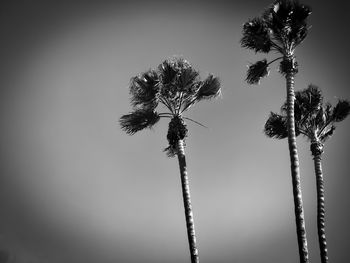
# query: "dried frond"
{"points": [[177, 131], [316, 148], [138, 120], [341, 110], [288, 66], [170, 151], [257, 71], [256, 36], [276, 126]]}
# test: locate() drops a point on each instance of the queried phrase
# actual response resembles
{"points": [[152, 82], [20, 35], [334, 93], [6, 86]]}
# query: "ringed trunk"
{"points": [[294, 161], [320, 209], [187, 202]]}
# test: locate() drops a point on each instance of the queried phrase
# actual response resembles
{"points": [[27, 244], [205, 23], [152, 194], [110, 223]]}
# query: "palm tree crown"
{"points": [[174, 84], [281, 28], [313, 119]]}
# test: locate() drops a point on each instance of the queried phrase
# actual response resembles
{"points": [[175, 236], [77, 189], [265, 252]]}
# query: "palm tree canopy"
{"points": [[276, 126], [176, 85], [281, 28], [313, 119]]}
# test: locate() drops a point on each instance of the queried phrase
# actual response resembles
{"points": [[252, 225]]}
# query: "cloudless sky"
{"points": [[75, 188]]}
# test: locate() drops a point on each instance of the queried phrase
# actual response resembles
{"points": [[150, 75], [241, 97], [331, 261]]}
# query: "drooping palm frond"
{"points": [[341, 110], [144, 89], [276, 126], [256, 36], [257, 71], [138, 120]]}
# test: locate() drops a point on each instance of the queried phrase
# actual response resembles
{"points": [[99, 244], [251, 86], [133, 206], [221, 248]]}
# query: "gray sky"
{"points": [[75, 187]]}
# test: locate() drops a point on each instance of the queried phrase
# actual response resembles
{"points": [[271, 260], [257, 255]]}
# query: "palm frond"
{"points": [[144, 89], [300, 12], [209, 88], [257, 71], [326, 134], [256, 36], [277, 15], [287, 20], [138, 120], [341, 110], [299, 22], [167, 72], [276, 126], [308, 103], [320, 117], [170, 151], [310, 100], [328, 111], [187, 78], [311, 97]]}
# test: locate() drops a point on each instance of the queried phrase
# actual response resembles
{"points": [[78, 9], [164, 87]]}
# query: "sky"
{"points": [[75, 188]]}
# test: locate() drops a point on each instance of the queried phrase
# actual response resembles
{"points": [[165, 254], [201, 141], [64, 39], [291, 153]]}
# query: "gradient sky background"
{"points": [[75, 188]]}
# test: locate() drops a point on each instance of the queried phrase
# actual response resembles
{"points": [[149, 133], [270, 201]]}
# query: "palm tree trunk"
{"points": [[320, 209], [187, 202], [294, 160]]}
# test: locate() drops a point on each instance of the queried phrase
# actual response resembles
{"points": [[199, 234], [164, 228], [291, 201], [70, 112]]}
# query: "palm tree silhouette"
{"points": [[281, 28], [317, 123], [176, 85]]}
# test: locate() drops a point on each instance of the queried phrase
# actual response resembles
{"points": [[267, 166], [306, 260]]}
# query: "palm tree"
{"points": [[176, 85], [281, 28], [317, 123]]}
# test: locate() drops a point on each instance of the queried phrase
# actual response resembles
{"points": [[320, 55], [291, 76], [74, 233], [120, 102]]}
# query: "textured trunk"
{"points": [[298, 203], [187, 202], [320, 209]]}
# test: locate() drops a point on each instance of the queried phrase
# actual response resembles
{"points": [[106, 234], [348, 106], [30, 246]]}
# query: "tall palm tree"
{"points": [[176, 85], [281, 28], [316, 122]]}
